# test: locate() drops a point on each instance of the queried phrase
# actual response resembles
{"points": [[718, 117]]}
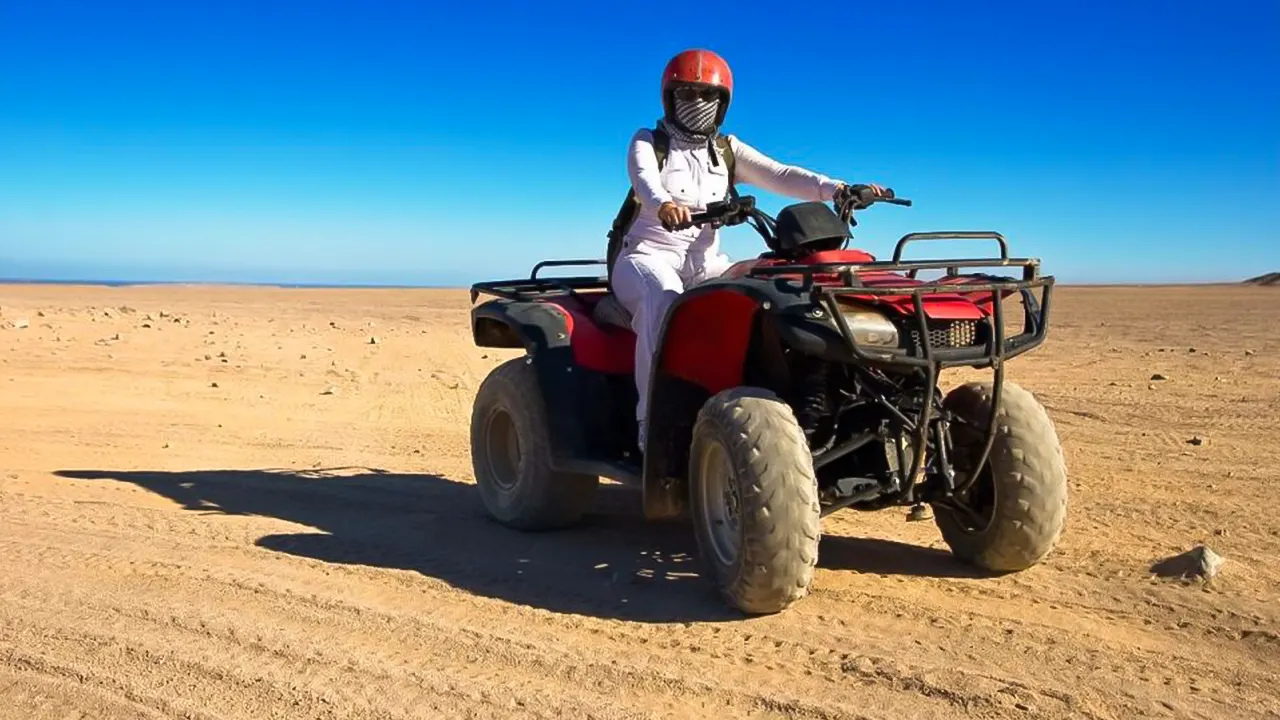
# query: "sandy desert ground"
{"points": [[228, 503]]}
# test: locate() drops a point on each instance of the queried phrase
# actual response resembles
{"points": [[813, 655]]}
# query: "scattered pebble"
{"points": [[213, 384], [1158, 376], [329, 390], [303, 356], [374, 340], [1195, 440], [1248, 352], [21, 323]]}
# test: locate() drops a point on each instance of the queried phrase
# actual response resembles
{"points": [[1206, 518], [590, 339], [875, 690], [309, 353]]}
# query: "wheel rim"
{"points": [[979, 502], [976, 508], [721, 504], [502, 449]]}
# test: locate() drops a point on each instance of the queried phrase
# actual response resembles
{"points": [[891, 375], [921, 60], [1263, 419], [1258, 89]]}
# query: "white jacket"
{"points": [[689, 178]]}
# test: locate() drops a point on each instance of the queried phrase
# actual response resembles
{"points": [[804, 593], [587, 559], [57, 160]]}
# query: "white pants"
{"points": [[647, 281]]}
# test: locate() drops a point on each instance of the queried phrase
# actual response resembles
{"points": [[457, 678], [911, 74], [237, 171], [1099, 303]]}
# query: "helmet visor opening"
{"points": [[690, 93]]}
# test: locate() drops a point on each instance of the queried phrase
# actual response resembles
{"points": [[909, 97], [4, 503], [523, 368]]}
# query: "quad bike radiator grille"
{"points": [[948, 334]]}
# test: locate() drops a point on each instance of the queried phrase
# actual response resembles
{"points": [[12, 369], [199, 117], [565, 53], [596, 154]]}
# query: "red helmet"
{"points": [[698, 68]]}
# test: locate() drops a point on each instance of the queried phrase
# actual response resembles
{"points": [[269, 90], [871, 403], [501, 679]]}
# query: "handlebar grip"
{"points": [[895, 201], [722, 210]]}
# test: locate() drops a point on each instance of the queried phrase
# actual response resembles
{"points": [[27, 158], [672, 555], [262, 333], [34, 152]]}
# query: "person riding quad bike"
{"points": [[676, 169]]}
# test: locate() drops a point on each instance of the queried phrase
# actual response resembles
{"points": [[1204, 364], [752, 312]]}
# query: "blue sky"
{"points": [[429, 144]]}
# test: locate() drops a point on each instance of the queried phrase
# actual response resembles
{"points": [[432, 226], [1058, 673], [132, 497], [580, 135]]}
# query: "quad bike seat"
{"points": [[608, 311]]}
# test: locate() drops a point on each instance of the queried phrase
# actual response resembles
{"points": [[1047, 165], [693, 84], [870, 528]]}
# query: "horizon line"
{"points": [[80, 282]]}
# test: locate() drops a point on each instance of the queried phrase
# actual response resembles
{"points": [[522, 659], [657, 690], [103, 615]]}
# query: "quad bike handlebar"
{"points": [[740, 209], [743, 208]]}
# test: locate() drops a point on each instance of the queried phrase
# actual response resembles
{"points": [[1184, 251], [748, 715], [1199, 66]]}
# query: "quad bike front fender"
{"points": [[718, 335]]}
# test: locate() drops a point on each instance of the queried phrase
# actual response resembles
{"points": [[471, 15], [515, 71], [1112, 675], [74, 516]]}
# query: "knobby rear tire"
{"points": [[519, 488]]}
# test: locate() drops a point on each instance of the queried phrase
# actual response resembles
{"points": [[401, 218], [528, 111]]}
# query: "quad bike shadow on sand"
{"points": [[614, 565], [800, 383]]}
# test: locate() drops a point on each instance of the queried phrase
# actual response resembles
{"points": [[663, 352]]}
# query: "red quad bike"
{"points": [[799, 383]]}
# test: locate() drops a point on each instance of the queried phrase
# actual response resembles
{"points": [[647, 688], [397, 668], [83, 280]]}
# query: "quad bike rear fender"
{"points": [[542, 329]]}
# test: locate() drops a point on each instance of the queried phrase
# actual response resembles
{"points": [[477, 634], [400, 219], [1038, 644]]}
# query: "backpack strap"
{"points": [[631, 206], [661, 144], [726, 152]]}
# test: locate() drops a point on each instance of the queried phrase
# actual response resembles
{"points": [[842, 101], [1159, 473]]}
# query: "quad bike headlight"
{"points": [[869, 327]]}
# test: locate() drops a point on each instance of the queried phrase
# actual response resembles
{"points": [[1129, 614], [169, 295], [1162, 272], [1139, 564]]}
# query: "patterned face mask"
{"points": [[698, 115]]}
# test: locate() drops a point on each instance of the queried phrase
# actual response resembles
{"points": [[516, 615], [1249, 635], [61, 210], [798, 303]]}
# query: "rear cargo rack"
{"points": [[534, 287]]}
